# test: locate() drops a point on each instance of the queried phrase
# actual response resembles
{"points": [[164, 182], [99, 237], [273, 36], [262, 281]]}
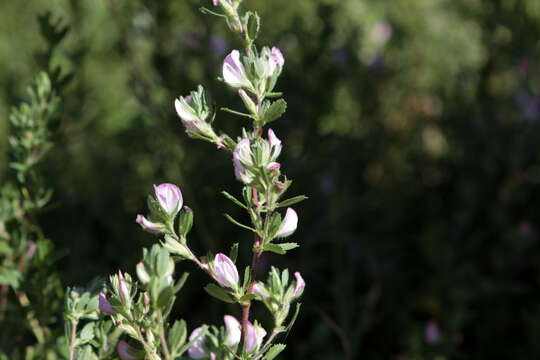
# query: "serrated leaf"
{"points": [[275, 111], [233, 199], [274, 351], [292, 201], [275, 248], [87, 333], [218, 293]]}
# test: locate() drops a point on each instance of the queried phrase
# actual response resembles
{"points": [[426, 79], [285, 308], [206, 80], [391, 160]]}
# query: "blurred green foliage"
{"points": [[412, 124]]}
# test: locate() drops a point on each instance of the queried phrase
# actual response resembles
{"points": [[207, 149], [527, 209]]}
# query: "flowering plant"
{"points": [[132, 312]]}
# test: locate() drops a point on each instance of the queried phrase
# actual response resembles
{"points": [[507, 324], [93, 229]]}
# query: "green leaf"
{"points": [[253, 24], [87, 333], [274, 351], [275, 111], [292, 201], [288, 246], [233, 253], [166, 296], [177, 336], [180, 283], [219, 293], [247, 297], [293, 319], [275, 248], [9, 277], [239, 224], [234, 200], [231, 111], [186, 221]]}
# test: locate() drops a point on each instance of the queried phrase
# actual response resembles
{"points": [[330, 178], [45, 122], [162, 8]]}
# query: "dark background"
{"points": [[412, 125]]}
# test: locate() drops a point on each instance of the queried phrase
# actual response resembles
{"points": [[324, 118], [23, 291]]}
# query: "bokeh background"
{"points": [[413, 125]]}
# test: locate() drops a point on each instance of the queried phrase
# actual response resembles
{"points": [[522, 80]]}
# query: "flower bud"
{"points": [[225, 271], [289, 224], [260, 290], [148, 225], [254, 337], [105, 305], [273, 166], [142, 273], [275, 144], [300, 285], [242, 158], [233, 330], [234, 73], [197, 350], [248, 102], [277, 56], [125, 351], [123, 291], [169, 197], [194, 120]]}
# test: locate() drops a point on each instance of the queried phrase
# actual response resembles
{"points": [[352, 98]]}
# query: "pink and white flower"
{"points": [[169, 197], [289, 224], [299, 286], [233, 330], [197, 350], [254, 337], [234, 73], [147, 224], [225, 271]]}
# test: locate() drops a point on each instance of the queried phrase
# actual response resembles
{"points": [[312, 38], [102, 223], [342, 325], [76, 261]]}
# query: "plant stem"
{"points": [[73, 339], [162, 337]]}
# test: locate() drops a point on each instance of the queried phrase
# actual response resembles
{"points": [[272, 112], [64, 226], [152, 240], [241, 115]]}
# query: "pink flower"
{"points": [[289, 224], [197, 351], [105, 305], [123, 291], [254, 337], [242, 158], [233, 330], [277, 56], [225, 271], [169, 197], [125, 351], [234, 73], [147, 224], [300, 285], [431, 332], [260, 290], [275, 144], [273, 166]]}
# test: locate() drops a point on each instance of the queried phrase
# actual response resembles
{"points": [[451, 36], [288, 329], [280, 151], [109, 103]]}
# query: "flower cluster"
{"points": [[139, 307]]}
